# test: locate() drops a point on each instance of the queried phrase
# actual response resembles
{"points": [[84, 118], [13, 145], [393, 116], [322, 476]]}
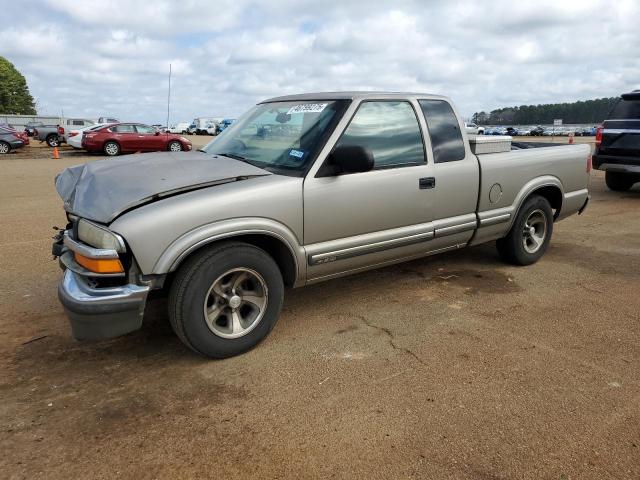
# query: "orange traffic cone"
{"points": [[56, 155]]}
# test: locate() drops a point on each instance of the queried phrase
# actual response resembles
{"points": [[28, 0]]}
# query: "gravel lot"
{"points": [[455, 366]]}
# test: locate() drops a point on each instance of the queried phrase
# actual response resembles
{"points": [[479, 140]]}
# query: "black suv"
{"points": [[618, 144]]}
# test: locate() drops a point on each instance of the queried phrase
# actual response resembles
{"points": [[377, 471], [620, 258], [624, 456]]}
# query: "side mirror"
{"points": [[351, 159], [157, 132]]}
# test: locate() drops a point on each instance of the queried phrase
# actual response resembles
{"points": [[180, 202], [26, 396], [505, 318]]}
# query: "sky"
{"points": [[96, 58]]}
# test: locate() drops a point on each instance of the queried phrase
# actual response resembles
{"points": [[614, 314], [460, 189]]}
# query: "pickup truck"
{"points": [[52, 134], [355, 181]]}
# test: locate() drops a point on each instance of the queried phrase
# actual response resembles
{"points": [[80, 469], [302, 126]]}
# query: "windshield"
{"points": [[283, 137]]}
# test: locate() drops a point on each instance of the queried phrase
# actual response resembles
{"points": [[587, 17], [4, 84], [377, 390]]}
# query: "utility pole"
{"points": [[169, 96]]}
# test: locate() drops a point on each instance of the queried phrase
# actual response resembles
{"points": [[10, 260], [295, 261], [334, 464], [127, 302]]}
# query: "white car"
{"points": [[179, 128], [201, 124], [212, 128], [473, 129], [75, 136]]}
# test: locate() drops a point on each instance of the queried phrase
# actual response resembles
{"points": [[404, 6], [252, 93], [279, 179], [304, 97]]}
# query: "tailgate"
{"points": [[620, 138]]}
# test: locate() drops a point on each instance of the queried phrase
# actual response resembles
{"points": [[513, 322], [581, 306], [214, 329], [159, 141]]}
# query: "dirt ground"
{"points": [[454, 366]]}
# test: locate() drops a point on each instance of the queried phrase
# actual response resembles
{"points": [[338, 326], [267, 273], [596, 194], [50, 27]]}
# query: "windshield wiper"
{"points": [[201, 150], [234, 156]]}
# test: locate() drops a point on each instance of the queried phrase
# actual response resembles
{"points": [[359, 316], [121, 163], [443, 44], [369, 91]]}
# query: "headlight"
{"points": [[99, 237]]}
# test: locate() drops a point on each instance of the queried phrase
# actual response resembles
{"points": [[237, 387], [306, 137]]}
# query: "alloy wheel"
{"points": [[235, 303], [534, 231]]}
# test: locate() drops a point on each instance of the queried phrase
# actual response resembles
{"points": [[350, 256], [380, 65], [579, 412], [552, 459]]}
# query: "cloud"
{"points": [[97, 58]]}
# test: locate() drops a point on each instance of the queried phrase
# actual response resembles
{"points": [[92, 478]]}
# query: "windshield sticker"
{"points": [[296, 153], [307, 108]]}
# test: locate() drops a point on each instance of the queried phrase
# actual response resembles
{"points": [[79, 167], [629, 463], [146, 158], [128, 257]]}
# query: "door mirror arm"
{"points": [[345, 159]]}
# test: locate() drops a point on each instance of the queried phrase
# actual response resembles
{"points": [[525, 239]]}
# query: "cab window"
{"points": [[444, 130], [390, 130]]}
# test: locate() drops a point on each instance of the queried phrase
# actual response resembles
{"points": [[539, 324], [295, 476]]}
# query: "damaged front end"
{"points": [[100, 290]]}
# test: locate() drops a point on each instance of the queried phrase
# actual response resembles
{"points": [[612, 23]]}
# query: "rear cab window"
{"points": [[390, 130], [444, 130]]}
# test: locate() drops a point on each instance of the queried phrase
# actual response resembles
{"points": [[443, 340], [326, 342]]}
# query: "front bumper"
{"points": [[99, 313]]}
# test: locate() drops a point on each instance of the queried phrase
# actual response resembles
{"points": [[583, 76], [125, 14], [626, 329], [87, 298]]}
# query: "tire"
{"points": [[53, 140], [217, 269], [4, 148], [111, 149], [523, 246], [174, 146], [619, 182]]}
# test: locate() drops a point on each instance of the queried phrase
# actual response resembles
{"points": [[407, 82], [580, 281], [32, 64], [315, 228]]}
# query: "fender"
{"points": [[196, 238], [495, 223]]}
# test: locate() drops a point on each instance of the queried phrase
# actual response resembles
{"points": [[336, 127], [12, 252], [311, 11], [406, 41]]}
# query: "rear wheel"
{"points": [[4, 148], [226, 299], [175, 146], [619, 182], [111, 149], [52, 140], [530, 233]]}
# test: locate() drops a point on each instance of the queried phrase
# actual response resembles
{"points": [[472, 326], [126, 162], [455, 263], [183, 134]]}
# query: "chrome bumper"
{"points": [[98, 313]]}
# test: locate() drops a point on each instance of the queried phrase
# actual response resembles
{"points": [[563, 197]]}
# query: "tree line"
{"points": [[587, 111]]}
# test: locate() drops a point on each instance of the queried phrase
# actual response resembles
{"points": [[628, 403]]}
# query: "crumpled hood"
{"points": [[104, 189]]}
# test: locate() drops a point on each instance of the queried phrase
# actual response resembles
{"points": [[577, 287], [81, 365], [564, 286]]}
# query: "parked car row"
{"points": [[539, 130]]}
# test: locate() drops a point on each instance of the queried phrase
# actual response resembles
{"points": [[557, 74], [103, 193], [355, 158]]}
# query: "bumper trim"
{"points": [[100, 313]]}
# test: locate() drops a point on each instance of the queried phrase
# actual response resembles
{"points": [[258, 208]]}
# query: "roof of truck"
{"points": [[349, 95]]}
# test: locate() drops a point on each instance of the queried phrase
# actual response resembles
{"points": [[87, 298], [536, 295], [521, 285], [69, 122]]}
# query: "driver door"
{"points": [[148, 139], [356, 220]]}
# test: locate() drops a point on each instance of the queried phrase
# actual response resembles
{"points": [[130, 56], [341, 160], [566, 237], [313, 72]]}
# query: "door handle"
{"points": [[427, 182]]}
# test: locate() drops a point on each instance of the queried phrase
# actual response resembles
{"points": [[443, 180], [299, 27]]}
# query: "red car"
{"points": [[120, 138]]}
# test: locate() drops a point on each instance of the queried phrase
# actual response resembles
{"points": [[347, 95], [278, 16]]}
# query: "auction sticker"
{"points": [[307, 108], [296, 153]]}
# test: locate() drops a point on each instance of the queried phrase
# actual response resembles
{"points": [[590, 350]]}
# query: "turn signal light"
{"points": [[106, 265]]}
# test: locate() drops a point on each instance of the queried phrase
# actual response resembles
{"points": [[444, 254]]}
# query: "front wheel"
{"points": [[111, 149], [175, 146], [530, 233], [619, 182], [4, 148], [226, 299]]}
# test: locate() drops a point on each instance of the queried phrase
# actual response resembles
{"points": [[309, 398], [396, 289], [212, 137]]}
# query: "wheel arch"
{"points": [[548, 186], [274, 238], [553, 194], [275, 247]]}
